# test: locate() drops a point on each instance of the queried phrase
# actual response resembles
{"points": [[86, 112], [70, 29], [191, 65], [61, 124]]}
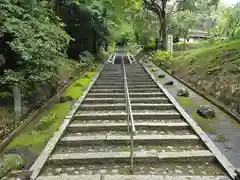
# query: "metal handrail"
{"points": [[130, 119]]}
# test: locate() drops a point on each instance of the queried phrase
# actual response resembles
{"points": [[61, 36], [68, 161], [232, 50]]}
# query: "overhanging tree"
{"points": [[164, 8]]}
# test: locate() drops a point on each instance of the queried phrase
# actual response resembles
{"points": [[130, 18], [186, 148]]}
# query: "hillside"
{"points": [[213, 69]]}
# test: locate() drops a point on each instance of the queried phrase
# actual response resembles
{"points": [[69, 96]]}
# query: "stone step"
{"points": [[131, 177], [132, 95], [96, 115], [106, 95], [143, 78], [143, 90], [124, 139], [103, 100], [121, 100], [108, 87], [121, 90], [79, 127], [148, 106], [122, 106], [149, 156], [110, 90], [142, 86], [146, 94], [129, 83]]}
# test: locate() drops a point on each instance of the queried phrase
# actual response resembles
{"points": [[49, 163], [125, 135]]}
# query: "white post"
{"points": [[17, 102], [170, 43]]}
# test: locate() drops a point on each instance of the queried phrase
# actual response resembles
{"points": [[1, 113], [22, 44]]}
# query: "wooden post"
{"points": [[17, 102]]}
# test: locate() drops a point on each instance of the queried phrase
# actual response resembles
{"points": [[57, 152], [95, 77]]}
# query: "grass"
{"points": [[225, 54], [36, 140]]}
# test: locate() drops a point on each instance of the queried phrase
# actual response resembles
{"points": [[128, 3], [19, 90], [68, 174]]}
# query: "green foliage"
{"points": [[184, 46], [37, 134], [162, 58], [229, 25], [37, 41], [11, 162]]}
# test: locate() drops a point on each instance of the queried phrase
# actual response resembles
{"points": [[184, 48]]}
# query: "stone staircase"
{"points": [[96, 144]]}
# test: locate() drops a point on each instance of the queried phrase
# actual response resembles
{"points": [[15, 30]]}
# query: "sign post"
{"points": [[170, 43]]}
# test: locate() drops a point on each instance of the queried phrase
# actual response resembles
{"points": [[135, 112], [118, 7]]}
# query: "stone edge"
{"points": [[203, 136]]}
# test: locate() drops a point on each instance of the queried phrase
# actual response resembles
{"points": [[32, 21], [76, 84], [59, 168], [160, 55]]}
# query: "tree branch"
{"points": [[174, 4], [152, 6]]}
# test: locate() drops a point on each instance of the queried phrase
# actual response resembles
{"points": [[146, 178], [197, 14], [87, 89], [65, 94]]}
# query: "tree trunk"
{"points": [[164, 25]]}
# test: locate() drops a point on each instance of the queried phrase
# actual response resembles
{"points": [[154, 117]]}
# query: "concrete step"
{"points": [[110, 90], [108, 80], [103, 100], [148, 106], [108, 83], [74, 140], [143, 90], [138, 78], [149, 100], [142, 86], [146, 94], [96, 115], [94, 100], [121, 95], [122, 106], [79, 127], [129, 83], [106, 95], [107, 87], [149, 156], [131, 177], [96, 107]]}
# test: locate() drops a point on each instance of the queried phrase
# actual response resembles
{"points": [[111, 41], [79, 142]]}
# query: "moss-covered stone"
{"points": [[206, 111], [11, 162]]}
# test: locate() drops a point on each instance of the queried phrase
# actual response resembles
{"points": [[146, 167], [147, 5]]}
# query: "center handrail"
{"points": [[130, 119]]}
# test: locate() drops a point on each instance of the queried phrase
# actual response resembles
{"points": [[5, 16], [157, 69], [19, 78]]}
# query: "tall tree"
{"points": [[164, 8]]}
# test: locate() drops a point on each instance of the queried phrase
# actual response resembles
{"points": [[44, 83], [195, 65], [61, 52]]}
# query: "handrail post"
{"points": [[131, 153]]}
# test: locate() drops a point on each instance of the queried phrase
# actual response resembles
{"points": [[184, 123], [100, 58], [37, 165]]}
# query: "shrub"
{"points": [[162, 58]]}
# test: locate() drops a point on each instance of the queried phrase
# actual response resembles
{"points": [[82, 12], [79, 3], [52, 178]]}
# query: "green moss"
{"points": [[11, 162], [205, 124], [220, 138], [36, 139], [75, 90], [185, 101], [36, 136]]}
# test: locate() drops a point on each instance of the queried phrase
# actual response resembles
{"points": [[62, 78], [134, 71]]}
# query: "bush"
{"points": [[33, 42], [162, 58]]}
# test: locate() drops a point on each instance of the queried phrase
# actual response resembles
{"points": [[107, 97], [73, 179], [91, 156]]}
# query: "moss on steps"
{"points": [[34, 138]]}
